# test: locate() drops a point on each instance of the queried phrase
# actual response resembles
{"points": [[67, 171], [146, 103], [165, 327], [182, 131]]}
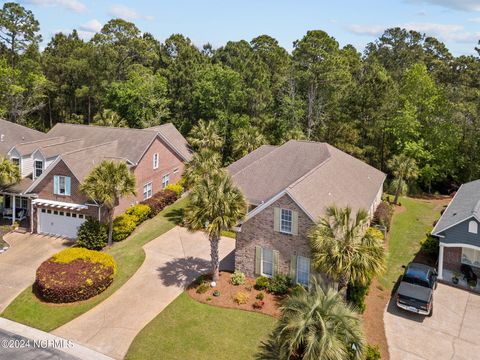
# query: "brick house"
{"points": [[458, 234], [288, 188], [55, 164]]}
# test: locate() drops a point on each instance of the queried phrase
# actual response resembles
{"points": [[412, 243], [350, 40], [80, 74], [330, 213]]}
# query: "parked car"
{"points": [[415, 292]]}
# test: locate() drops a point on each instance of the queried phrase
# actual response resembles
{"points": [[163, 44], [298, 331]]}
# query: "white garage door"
{"points": [[61, 223]]}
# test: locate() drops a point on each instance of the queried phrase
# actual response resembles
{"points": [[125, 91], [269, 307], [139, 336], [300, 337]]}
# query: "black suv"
{"points": [[415, 292]]}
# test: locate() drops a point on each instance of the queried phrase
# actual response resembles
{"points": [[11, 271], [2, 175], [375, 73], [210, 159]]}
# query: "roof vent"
{"points": [[2, 138], [454, 214]]}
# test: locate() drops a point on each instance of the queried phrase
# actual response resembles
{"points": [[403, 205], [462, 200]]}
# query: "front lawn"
{"points": [[409, 226], [187, 329], [129, 255]]}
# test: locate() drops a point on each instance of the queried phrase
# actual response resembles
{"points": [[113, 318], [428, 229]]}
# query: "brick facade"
{"points": [[259, 231]]}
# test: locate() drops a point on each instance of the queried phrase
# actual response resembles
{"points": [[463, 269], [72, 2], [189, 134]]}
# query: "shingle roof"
{"points": [[174, 138], [27, 148], [316, 175], [50, 151], [465, 204], [14, 134]]}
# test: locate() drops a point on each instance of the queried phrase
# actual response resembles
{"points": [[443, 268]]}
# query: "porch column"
{"points": [[14, 207], [440, 262]]}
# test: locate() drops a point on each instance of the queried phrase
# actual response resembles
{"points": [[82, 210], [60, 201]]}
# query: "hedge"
{"points": [[141, 212], [74, 274], [123, 226], [177, 188], [160, 200]]}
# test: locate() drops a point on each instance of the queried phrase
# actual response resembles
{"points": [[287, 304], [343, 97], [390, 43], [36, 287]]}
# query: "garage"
{"points": [[60, 223]]}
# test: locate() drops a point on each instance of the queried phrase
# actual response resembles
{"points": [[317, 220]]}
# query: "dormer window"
{"points": [[473, 227], [38, 168]]}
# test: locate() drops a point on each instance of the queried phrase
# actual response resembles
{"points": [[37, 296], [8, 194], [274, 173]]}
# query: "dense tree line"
{"points": [[405, 94]]}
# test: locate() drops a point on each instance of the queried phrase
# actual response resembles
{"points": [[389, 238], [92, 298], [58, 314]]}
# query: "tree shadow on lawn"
{"points": [[175, 216], [182, 271]]}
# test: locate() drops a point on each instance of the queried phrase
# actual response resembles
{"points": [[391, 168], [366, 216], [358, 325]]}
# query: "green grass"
{"points": [[187, 329], [408, 228], [28, 310]]}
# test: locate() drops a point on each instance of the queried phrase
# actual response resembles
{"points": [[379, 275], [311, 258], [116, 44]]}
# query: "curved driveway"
{"points": [[172, 262]]}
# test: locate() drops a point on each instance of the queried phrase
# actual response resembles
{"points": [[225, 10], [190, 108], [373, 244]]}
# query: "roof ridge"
{"points": [[63, 142], [145, 130], [37, 141], [89, 147], [311, 171]]}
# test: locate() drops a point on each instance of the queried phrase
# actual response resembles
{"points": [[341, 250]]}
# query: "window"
{"points": [[43, 210], [286, 221], [147, 191], [155, 161], [473, 227], [61, 185], [175, 171], [267, 262], [74, 215], [21, 203], [38, 168], [471, 257], [165, 180], [16, 162], [303, 270]]}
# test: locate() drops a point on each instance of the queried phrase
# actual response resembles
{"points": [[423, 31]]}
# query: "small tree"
{"points": [[9, 173], [216, 204], [343, 249], [404, 168], [205, 135], [106, 184]]}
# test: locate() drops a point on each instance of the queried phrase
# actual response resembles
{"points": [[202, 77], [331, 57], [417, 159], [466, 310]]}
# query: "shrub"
{"points": [[258, 304], [140, 211], [160, 200], [260, 296], [74, 274], [216, 293], [202, 288], [372, 352], [92, 235], [241, 298], [383, 215], [297, 290], [356, 294], [430, 245], [261, 283], [375, 233], [177, 188], [237, 278], [123, 226], [279, 284], [392, 187]]}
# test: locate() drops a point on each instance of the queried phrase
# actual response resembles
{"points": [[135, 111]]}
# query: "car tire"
{"points": [[431, 312]]}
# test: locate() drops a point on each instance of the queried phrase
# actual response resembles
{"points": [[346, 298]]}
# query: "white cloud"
{"points": [[73, 5], [91, 26], [474, 20], [445, 32], [464, 5], [127, 13]]}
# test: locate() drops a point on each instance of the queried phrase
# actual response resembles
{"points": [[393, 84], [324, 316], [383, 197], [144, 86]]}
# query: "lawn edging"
{"points": [[129, 255]]}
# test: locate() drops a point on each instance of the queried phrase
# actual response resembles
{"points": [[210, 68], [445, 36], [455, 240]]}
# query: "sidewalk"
{"points": [[21, 342]]}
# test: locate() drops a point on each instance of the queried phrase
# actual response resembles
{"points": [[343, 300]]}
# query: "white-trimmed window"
{"points": [[61, 185], [147, 191], [38, 168], [267, 262], [15, 161], [165, 180], [473, 227], [471, 257], [156, 161], [286, 219], [303, 270]]}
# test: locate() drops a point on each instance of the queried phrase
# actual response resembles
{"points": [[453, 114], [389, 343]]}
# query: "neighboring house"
{"points": [[288, 188], [458, 232], [12, 134], [54, 166]]}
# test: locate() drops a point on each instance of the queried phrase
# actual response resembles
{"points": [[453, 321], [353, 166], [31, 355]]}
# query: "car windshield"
{"points": [[417, 276]]}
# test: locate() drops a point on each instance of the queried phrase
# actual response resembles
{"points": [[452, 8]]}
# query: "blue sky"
{"points": [[455, 22]]}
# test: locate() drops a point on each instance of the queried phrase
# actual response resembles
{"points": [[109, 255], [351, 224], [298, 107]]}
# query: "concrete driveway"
{"points": [[172, 262], [452, 332], [20, 262]]}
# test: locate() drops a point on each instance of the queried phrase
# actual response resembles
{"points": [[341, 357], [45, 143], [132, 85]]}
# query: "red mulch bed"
{"points": [[69, 282], [228, 292]]}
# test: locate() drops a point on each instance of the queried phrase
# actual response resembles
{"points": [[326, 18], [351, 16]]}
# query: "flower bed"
{"points": [[74, 274], [227, 295]]}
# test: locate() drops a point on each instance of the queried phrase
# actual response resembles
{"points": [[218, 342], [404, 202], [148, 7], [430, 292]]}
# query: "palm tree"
{"points": [[205, 135], [203, 163], [315, 325], [404, 168], [343, 249], [109, 118], [247, 139], [216, 204], [106, 184], [9, 173]]}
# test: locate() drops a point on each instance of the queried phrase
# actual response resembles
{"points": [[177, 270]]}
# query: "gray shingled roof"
{"points": [[316, 175], [174, 138], [464, 205], [14, 134], [27, 148]]}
